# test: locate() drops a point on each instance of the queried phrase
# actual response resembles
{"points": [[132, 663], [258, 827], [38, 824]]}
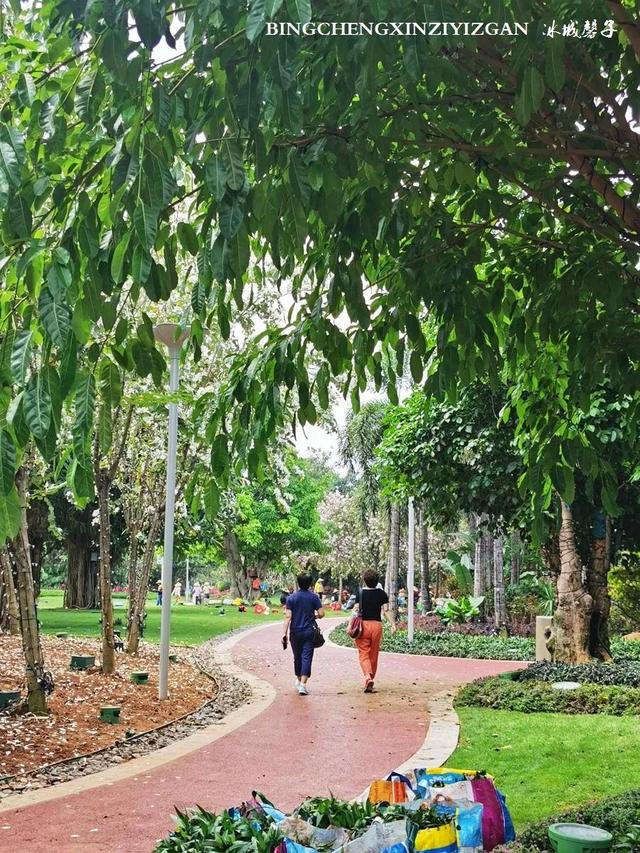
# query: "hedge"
{"points": [[451, 645], [541, 697], [483, 647]]}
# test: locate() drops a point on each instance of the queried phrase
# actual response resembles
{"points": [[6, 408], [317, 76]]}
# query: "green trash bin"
{"points": [[578, 838]]}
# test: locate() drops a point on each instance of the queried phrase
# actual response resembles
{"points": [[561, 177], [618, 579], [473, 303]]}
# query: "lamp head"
{"points": [[169, 335]]}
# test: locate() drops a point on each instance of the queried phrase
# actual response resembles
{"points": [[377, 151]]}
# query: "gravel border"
{"points": [[232, 693]]}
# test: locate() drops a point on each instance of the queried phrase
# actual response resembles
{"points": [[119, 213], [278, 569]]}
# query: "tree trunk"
{"points": [[394, 559], [425, 579], [139, 593], [132, 576], [81, 587], [569, 641], [38, 525], [516, 557], [103, 485], [240, 581], [478, 559], [34, 660], [599, 643], [487, 562], [499, 605], [9, 612]]}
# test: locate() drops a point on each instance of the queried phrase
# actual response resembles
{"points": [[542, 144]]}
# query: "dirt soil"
{"points": [[73, 726]]}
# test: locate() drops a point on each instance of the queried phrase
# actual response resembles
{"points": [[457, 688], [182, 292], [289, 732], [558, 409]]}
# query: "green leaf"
{"points": [[118, 259], [21, 354], [18, 218], [199, 298], [81, 482], [85, 402], [109, 382], [188, 238], [89, 95], [37, 405], [55, 317], [211, 500], [300, 11], [26, 90], [232, 158], [531, 93], [255, 20], [9, 164], [554, 71], [162, 108], [219, 455], [10, 516], [7, 463], [105, 429], [145, 221], [231, 215], [140, 264], [215, 177], [415, 365]]}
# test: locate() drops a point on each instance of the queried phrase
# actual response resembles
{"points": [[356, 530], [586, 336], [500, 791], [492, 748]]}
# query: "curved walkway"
{"points": [[336, 740]]}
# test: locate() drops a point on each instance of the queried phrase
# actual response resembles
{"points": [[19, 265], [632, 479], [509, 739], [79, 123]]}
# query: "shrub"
{"points": [[624, 585], [540, 697], [625, 649], [625, 673], [615, 814], [450, 645]]}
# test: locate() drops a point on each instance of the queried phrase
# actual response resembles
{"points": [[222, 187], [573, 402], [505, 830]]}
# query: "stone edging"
{"points": [[262, 695]]}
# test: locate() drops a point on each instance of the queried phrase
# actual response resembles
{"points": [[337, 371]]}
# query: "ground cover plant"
{"points": [[549, 762], [540, 696], [624, 672]]}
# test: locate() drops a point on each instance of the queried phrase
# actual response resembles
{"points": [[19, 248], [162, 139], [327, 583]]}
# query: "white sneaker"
{"points": [[302, 689], [298, 682]]}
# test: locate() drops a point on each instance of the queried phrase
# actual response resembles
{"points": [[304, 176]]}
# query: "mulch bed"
{"points": [[73, 725]]}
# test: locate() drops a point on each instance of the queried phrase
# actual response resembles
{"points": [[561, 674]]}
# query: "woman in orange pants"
{"points": [[373, 601]]}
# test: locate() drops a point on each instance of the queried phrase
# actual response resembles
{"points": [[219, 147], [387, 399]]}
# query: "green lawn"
{"points": [[189, 625], [545, 763]]}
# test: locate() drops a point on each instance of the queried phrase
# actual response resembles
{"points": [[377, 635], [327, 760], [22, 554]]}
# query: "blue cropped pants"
{"points": [[302, 648]]}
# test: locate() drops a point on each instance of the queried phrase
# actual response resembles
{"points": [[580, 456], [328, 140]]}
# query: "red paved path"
{"points": [[335, 739]]}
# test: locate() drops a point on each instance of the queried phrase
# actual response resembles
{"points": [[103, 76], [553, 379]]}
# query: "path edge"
{"points": [[262, 695]]}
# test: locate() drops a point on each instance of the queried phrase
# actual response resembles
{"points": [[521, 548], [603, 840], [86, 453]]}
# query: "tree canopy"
{"points": [[489, 182]]}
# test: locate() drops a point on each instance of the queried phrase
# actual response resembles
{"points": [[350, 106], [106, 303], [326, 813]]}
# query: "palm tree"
{"points": [[359, 440]]}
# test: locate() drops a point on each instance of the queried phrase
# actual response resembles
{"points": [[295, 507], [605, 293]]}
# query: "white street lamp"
{"points": [[170, 335], [411, 560]]}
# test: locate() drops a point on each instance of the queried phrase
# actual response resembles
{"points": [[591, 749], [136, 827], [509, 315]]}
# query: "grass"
{"points": [[190, 626], [546, 763]]}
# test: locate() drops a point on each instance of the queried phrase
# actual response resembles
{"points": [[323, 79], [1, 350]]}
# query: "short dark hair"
{"points": [[304, 580], [371, 578]]}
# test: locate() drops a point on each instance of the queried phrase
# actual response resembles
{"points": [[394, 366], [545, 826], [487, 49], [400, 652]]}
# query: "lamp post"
{"points": [[411, 561], [169, 334]]}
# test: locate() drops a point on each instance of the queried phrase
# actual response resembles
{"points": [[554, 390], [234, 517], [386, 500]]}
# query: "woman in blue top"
{"points": [[303, 608]]}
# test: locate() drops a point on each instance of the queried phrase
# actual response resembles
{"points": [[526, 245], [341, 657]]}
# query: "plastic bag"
{"points": [[303, 832], [380, 838]]}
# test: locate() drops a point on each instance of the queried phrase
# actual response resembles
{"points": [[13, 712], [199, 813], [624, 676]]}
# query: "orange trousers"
{"points": [[368, 645]]}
